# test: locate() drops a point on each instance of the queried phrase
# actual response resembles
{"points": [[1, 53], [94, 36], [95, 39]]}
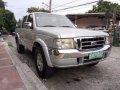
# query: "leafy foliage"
{"points": [[2, 4], [34, 9], [1, 18], [7, 19], [105, 6]]}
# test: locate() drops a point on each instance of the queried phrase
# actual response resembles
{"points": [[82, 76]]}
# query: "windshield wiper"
{"points": [[65, 26], [48, 26]]}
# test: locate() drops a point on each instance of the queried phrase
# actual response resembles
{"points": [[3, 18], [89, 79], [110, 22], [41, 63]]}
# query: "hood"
{"points": [[65, 32]]}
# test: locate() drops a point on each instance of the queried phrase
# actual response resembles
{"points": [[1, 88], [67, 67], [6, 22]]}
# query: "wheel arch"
{"points": [[17, 38], [44, 47]]}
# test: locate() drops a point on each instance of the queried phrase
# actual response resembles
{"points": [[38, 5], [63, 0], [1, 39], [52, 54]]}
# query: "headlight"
{"points": [[64, 43], [107, 40]]}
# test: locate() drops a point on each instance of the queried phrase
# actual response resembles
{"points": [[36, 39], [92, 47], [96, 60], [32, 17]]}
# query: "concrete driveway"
{"points": [[104, 76]]}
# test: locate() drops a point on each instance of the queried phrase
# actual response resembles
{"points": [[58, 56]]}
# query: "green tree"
{"points": [[9, 21], [34, 9], [105, 6], [2, 4], [2, 7], [1, 18]]}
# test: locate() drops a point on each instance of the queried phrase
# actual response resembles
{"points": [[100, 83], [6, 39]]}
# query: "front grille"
{"points": [[90, 43]]}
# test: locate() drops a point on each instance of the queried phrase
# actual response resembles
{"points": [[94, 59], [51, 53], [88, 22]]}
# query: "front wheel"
{"points": [[43, 69]]}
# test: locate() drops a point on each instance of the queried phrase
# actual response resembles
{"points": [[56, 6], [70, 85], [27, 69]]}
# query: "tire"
{"points": [[44, 71], [20, 48], [93, 64]]}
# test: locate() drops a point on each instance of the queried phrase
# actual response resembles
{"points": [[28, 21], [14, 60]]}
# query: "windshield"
{"points": [[52, 20]]}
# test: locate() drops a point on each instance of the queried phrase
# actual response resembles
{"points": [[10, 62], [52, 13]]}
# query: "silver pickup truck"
{"points": [[56, 42]]}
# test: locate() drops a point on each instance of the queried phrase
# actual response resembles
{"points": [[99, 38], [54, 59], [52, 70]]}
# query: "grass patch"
{"points": [[10, 44]]}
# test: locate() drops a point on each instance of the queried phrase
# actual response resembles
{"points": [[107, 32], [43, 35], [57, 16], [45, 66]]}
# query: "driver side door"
{"points": [[30, 33]]}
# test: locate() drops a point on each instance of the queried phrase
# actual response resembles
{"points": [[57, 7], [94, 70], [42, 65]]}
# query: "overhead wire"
{"points": [[65, 4], [74, 6]]}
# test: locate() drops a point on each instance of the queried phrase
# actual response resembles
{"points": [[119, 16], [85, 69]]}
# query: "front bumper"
{"points": [[74, 57]]}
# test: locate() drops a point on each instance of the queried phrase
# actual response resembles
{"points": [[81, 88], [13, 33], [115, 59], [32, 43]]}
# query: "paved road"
{"points": [[104, 76]]}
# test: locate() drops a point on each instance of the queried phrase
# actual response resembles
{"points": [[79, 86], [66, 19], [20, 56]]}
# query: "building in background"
{"points": [[95, 21]]}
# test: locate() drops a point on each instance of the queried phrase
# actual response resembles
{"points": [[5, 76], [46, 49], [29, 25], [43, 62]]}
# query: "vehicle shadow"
{"points": [[65, 78]]}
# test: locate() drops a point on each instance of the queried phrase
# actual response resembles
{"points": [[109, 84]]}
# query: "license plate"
{"points": [[95, 55]]}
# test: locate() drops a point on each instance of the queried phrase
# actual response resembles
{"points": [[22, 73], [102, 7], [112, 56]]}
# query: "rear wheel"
{"points": [[93, 64], [20, 48], [43, 69]]}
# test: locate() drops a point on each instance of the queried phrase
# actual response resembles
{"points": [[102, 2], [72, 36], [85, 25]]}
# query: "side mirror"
{"points": [[17, 26], [28, 24]]}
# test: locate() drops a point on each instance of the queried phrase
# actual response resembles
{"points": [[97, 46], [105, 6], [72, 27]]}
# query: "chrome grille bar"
{"points": [[89, 43]]}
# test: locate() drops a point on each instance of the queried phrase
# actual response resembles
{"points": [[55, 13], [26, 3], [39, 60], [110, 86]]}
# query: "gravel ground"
{"points": [[104, 76]]}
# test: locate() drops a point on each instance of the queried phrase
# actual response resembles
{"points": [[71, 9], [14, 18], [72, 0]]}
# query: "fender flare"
{"points": [[45, 50], [17, 37]]}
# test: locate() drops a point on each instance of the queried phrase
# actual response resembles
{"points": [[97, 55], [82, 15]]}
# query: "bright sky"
{"points": [[19, 7]]}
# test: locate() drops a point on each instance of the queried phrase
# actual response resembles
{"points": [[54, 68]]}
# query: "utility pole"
{"points": [[50, 5]]}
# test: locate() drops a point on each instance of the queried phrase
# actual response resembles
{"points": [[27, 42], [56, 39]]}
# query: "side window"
{"points": [[30, 19], [24, 20]]}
